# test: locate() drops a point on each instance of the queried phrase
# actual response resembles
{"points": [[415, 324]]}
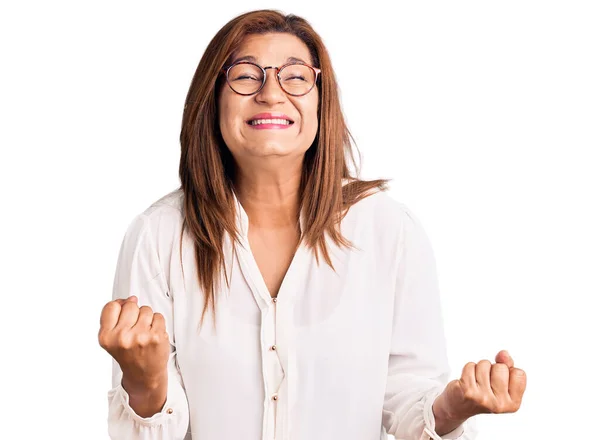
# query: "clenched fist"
{"points": [[137, 339], [484, 388]]}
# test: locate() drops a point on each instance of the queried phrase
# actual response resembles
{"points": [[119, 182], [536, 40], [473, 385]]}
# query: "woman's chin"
{"points": [[272, 150]]}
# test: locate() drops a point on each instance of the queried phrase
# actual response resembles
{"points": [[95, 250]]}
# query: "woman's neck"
{"points": [[270, 203]]}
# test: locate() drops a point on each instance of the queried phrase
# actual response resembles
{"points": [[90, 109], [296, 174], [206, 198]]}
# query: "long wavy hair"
{"points": [[206, 168]]}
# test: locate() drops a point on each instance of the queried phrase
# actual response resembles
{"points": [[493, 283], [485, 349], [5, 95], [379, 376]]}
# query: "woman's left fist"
{"points": [[485, 388]]}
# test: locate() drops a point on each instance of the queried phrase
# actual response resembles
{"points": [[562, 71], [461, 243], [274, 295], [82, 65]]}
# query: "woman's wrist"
{"points": [[148, 397], [445, 421]]}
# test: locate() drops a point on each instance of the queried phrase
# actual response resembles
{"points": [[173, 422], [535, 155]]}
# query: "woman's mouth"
{"points": [[266, 124]]}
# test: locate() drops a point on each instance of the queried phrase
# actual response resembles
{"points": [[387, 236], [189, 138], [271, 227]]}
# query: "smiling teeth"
{"points": [[270, 121]]}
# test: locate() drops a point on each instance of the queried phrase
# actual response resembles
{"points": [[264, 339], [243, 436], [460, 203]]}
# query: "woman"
{"points": [[325, 317]]}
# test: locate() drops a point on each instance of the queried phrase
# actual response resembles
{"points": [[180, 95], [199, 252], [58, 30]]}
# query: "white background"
{"points": [[486, 115]]}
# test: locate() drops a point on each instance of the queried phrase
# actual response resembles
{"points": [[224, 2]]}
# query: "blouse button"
{"points": [[170, 411], [274, 397], [274, 300], [273, 348]]}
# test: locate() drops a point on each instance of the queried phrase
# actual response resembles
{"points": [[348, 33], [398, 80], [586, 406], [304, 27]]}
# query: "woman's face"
{"points": [[247, 142]]}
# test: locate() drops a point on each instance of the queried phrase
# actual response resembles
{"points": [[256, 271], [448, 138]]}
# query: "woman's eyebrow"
{"points": [[254, 60]]}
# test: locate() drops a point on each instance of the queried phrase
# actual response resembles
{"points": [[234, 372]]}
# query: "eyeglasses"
{"points": [[246, 78]]}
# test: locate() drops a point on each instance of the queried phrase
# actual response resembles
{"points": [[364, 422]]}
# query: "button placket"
{"points": [[274, 302], [273, 371]]}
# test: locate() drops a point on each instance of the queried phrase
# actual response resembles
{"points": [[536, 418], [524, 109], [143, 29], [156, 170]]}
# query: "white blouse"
{"points": [[354, 354]]}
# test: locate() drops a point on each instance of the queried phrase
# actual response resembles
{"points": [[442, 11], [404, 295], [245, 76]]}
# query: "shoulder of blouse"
{"points": [[163, 222], [170, 204], [382, 211]]}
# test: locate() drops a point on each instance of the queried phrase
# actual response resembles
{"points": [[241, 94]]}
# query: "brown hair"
{"points": [[206, 166]]}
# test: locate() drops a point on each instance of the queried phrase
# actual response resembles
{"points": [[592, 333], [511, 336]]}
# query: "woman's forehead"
{"points": [[279, 48]]}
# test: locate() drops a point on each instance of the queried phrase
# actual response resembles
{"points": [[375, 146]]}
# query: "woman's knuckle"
{"points": [[103, 338], [124, 340], [141, 339]]}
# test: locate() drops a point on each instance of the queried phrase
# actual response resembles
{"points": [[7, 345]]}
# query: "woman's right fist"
{"points": [[137, 339]]}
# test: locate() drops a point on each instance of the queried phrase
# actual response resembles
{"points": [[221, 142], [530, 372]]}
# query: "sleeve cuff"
{"points": [[465, 431], [171, 408]]}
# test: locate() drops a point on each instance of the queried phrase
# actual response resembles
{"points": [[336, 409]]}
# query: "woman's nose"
{"points": [[271, 91]]}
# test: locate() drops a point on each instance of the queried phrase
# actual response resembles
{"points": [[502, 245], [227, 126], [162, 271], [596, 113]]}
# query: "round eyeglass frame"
{"points": [[225, 70]]}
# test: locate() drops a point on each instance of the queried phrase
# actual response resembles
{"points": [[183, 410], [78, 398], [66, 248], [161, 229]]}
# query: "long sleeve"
{"points": [[139, 273], [418, 368]]}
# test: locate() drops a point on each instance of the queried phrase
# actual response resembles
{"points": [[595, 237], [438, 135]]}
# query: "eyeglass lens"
{"points": [[296, 79]]}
